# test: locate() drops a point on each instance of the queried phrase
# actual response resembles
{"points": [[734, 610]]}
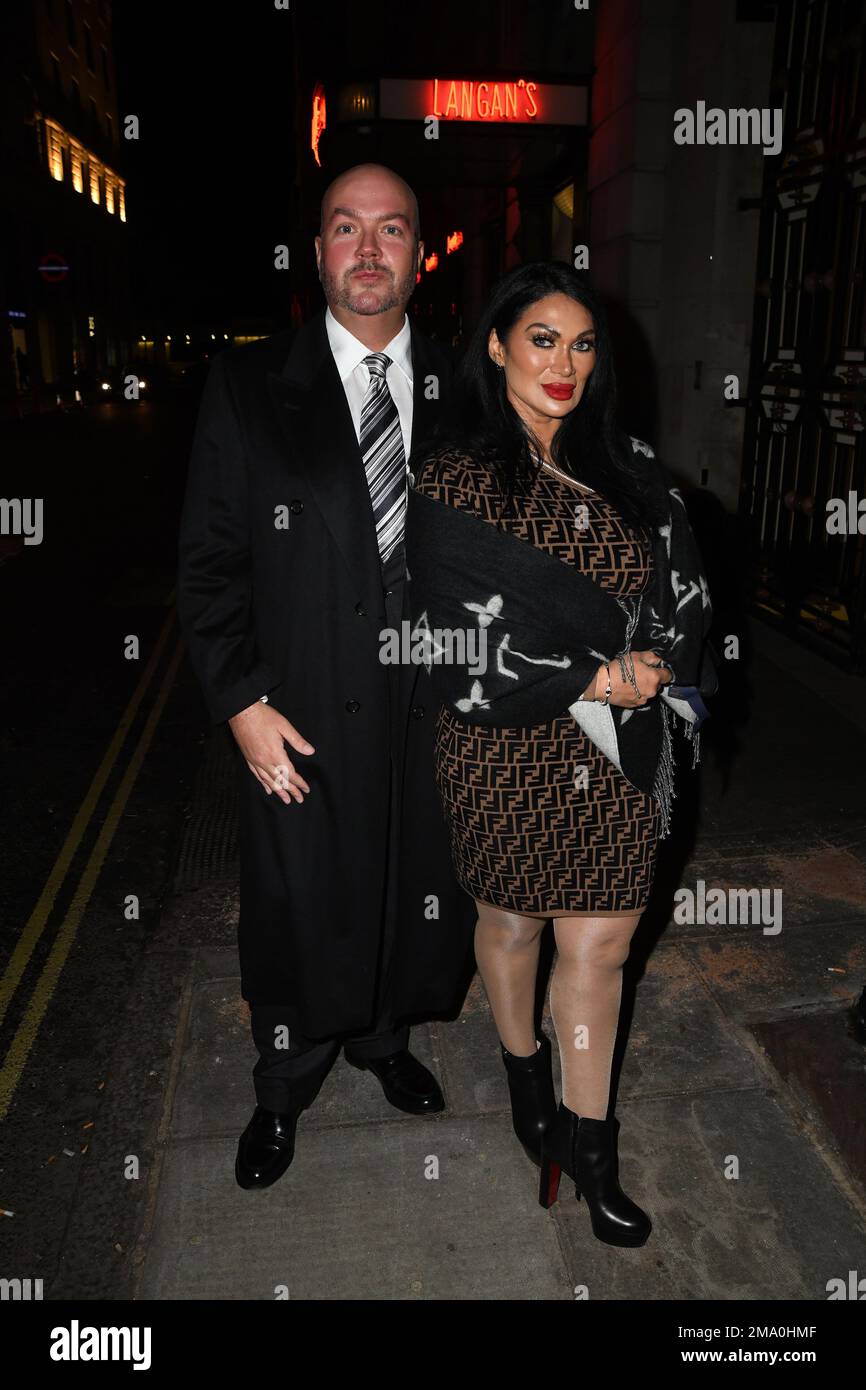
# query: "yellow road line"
{"points": [[39, 916], [19, 1050]]}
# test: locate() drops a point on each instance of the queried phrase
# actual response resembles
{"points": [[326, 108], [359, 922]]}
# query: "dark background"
{"points": [[210, 179]]}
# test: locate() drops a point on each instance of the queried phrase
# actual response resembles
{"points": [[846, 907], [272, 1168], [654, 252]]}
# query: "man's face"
{"points": [[367, 255]]}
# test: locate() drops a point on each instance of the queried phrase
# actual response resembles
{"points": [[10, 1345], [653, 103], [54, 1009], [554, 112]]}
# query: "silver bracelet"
{"points": [[607, 693], [628, 675]]}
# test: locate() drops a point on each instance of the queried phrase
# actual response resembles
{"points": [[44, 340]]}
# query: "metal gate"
{"points": [[804, 436]]}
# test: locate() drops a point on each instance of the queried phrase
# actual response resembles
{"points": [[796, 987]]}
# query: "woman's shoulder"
{"points": [[452, 473]]}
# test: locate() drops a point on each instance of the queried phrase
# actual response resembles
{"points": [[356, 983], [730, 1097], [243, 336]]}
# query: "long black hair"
{"points": [[588, 445]]}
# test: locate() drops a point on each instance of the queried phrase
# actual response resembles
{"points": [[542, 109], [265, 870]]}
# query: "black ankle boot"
{"points": [[533, 1103], [586, 1149]]}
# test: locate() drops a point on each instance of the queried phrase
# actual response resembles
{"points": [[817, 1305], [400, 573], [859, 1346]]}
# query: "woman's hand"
{"points": [[649, 679]]}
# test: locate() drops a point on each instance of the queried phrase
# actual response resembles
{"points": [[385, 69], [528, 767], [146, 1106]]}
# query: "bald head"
{"points": [[369, 249], [373, 179]]}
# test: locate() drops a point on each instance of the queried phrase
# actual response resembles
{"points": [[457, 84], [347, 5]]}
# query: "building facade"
{"points": [[65, 271]]}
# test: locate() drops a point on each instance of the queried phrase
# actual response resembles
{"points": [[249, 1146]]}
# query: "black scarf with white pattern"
{"points": [[546, 626]]}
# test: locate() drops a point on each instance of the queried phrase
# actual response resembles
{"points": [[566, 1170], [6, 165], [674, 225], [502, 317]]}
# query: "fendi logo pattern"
{"points": [[529, 831]]}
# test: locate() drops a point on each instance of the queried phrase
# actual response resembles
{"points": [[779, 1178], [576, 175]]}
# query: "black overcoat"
{"points": [[280, 592]]}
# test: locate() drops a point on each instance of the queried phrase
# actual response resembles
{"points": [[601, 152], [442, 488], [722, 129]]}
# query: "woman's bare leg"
{"points": [[506, 949], [585, 997]]}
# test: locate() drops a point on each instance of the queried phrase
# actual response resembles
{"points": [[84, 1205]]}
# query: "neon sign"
{"points": [[455, 100], [431, 262], [319, 120], [453, 242], [473, 100]]}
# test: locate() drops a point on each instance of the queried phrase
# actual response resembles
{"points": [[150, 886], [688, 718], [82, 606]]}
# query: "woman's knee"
{"points": [[601, 943], [509, 931]]}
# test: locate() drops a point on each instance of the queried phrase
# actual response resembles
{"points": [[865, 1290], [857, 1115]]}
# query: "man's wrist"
{"points": [[247, 708]]}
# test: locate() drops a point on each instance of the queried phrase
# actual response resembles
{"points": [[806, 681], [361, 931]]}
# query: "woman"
{"points": [[537, 528]]}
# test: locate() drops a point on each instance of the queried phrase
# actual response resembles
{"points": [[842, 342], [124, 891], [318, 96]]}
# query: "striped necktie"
{"points": [[384, 457]]}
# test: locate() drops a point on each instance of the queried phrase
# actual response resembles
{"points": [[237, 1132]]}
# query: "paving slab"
{"points": [[679, 1041], [779, 1230], [358, 1217], [780, 784], [215, 1094], [821, 883], [758, 977], [820, 1059]]}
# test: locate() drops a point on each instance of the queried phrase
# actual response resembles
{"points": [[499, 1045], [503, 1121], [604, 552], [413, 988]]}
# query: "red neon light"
{"points": [[319, 120], [431, 262], [453, 241], [456, 100]]}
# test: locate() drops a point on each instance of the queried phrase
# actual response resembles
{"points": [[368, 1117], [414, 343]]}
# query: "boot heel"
{"points": [[549, 1186]]}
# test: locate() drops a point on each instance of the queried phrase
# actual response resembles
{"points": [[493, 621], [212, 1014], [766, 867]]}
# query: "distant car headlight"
{"points": [[142, 384], [106, 385]]}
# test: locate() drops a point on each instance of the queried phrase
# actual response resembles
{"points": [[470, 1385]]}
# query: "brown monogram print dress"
{"points": [[523, 837]]}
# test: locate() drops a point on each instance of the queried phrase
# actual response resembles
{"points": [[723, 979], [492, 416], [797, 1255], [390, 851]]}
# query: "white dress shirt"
{"points": [[349, 353]]}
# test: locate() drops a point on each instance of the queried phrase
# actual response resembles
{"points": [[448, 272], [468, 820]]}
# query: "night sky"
{"points": [[209, 180]]}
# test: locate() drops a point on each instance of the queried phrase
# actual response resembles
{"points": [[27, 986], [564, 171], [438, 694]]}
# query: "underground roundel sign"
{"points": [[52, 267]]}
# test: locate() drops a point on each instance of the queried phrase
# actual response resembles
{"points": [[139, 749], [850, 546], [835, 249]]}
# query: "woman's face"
{"points": [[547, 358]]}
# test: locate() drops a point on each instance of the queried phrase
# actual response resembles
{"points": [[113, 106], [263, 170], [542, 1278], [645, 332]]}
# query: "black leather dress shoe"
{"points": [[266, 1147], [407, 1083]]}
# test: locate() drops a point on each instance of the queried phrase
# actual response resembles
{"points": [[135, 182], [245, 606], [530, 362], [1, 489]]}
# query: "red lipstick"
{"points": [[558, 392]]}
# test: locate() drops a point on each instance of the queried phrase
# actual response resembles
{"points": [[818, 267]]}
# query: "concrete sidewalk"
{"points": [[738, 1054]]}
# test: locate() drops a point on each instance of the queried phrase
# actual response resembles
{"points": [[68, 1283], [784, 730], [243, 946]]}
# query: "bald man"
{"points": [[291, 575]]}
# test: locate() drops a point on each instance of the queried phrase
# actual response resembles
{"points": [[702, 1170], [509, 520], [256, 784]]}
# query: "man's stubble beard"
{"points": [[338, 292]]}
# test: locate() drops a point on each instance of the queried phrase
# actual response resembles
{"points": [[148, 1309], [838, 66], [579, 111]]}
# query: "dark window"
{"points": [[55, 73], [88, 48], [49, 9], [94, 114], [76, 92], [70, 24], [105, 77], [110, 124]]}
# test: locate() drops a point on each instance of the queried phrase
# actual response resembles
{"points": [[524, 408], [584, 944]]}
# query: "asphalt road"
{"points": [[97, 754]]}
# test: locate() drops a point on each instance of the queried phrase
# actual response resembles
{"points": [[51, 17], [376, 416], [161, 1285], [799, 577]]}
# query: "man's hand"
{"points": [[261, 733]]}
